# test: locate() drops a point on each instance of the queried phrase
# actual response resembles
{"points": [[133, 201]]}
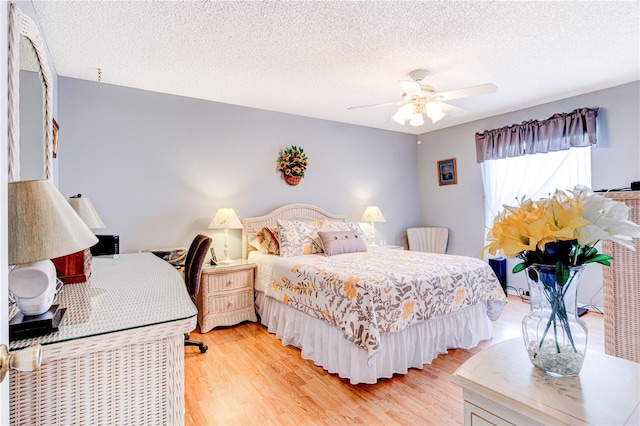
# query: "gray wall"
{"points": [[615, 163], [158, 166]]}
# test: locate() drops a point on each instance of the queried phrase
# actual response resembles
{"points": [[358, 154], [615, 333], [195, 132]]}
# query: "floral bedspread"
{"points": [[366, 294]]}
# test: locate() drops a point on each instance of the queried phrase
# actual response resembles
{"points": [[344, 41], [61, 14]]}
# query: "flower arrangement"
{"points": [[554, 237], [293, 162], [561, 230]]}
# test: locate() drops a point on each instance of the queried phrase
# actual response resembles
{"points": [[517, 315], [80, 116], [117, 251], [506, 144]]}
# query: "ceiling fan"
{"points": [[419, 99]]}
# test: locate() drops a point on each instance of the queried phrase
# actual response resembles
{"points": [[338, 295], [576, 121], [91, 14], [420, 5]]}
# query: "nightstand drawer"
{"points": [[229, 281], [231, 301]]}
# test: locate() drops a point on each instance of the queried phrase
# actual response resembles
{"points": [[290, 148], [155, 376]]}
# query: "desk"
{"points": [[500, 386], [118, 357]]}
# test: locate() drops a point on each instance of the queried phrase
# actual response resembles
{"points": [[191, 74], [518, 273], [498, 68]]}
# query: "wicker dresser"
{"points": [[621, 289], [118, 356], [226, 296]]}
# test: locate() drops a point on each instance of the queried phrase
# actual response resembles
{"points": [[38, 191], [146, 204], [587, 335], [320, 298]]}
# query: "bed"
{"points": [[365, 314]]}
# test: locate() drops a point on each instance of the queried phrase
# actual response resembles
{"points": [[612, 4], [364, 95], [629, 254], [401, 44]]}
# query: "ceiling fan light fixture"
{"points": [[434, 111], [420, 99], [417, 120], [404, 113]]}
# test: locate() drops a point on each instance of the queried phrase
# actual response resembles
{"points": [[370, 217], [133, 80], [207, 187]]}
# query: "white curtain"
{"points": [[507, 180]]}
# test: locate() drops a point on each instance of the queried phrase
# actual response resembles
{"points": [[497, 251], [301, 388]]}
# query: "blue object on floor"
{"points": [[499, 266]]}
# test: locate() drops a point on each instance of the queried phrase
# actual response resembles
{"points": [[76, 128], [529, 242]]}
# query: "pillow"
{"points": [[295, 237], [341, 242], [268, 240], [252, 239], [331, 225]]}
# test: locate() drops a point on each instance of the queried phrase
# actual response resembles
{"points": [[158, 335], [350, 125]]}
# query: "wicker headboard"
{"points": [[251, 225]]}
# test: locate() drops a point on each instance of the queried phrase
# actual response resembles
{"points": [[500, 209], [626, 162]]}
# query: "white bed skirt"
{"points": [[412, 347]]}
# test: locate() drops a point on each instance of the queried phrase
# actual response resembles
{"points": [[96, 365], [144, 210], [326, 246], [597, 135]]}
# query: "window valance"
{"points": [[558, 132]]}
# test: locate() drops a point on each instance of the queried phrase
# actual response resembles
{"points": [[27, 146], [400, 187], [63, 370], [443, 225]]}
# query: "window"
{"points": [[534, 158], [507, 180]]}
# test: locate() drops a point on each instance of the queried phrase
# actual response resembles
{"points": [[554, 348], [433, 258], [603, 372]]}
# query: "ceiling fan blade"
{"points": [[409, 87], [452, 110], [377, 105], [482, 89]]}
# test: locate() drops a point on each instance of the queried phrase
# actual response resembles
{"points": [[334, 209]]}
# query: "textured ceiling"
{"points": [[316, 59]]}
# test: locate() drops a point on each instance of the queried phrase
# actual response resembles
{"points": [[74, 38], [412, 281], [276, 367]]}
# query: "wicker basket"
{"points": [[292, 180]]}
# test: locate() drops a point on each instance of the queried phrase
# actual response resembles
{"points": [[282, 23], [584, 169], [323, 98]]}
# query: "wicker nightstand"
{"points": [[226, 295]]}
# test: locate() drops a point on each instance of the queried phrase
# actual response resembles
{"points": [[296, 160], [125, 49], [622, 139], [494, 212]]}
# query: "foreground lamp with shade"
{"points": [[42, 226], [226, 219], [372, 214]]}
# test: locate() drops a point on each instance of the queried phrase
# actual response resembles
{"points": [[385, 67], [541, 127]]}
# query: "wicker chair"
{"points": [[431, 240], [192, 270]]}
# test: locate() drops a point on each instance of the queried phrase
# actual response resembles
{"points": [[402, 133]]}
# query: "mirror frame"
{"points": [[22, 25]]}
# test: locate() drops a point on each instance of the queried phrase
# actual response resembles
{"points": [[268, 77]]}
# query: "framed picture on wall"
{"points": [[447, 172], [56, 129]]}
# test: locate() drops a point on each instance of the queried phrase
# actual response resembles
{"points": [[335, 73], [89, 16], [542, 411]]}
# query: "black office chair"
{"points": [[192, 269]]}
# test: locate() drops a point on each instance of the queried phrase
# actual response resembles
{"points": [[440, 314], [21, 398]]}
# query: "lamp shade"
{"points": [[434, 111], [86, 211], [404, 113], [225, 218], [413, 112], [372, 214], [416, 120], [42, 224]]}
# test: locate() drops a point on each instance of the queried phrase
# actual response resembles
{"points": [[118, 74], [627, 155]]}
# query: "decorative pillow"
{"points": [[341, 242], [333, 225], [355, 227], [330, 225], [268, 240], [252, 239], [295, 237]]}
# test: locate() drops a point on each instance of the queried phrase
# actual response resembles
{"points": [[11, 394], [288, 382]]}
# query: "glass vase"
{"points": [[554, 336]]}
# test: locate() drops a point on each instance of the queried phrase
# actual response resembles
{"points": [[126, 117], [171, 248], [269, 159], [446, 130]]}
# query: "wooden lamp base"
{"points": [[74, 268]]}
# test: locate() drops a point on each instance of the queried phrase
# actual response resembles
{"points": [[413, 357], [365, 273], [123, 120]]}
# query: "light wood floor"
{"points": [[248, 378]]}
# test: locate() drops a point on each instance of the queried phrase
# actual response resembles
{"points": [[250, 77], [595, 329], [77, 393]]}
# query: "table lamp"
{"points": [[86, 211], [226, 219], [372, 214], [75, 267], [42, 226]]}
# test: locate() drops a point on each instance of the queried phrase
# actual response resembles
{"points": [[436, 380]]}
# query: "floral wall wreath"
{"points": [[293, 163]]}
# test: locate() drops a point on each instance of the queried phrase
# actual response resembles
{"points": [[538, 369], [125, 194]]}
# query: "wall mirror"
{"points": [[30, 101], [31, 112]]}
